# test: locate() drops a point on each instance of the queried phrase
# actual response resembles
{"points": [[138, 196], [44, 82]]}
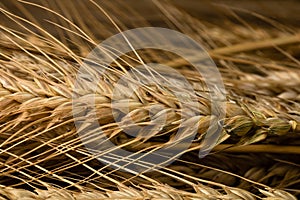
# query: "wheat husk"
{"points": [[42, 157]]}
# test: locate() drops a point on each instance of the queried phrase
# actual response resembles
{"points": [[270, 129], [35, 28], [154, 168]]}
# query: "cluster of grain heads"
{"points": [[161, 192], [40, 115], [40, 147]]}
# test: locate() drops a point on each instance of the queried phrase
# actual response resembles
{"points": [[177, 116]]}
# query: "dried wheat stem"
{"points": [[258, 148]]}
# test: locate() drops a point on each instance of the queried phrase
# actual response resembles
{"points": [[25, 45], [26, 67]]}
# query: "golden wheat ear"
{"points": [[63, 136]]}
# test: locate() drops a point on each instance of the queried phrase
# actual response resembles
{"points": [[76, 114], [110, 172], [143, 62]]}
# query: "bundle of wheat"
{"points": [[51, 148]]}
